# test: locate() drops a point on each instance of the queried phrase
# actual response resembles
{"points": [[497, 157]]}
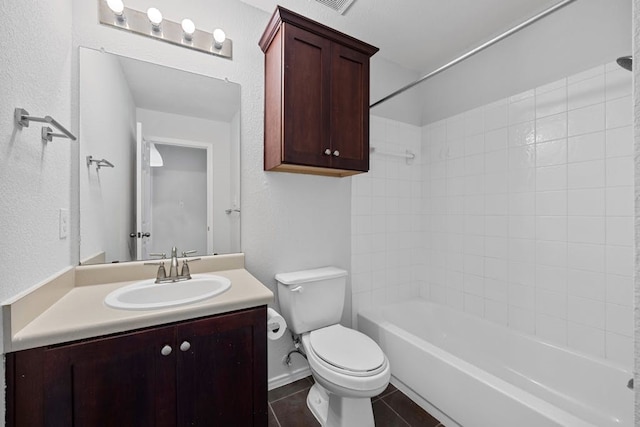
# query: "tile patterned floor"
{"points": [[288, 408]]}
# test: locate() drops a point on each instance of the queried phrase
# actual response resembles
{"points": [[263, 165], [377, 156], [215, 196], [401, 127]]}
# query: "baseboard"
{"points": [[285, 379]]}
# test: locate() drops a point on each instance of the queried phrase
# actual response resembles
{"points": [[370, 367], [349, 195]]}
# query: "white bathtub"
{"points": [[473, 372]]}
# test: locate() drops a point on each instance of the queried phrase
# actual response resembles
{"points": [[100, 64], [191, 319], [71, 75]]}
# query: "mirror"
{"points": [[159, 160]]}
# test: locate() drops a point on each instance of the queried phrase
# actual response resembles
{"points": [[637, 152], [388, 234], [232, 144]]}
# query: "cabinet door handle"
{"points": [[336, 153], [166, 350], [185, 346], [327, 152]]}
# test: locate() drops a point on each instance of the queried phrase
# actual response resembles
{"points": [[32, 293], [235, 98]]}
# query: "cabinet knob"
{"points": [[166, 350], [327, 152], [336, 153], [185, 346]]}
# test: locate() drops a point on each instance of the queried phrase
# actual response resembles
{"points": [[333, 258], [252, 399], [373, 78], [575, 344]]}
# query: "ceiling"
{"points": [[440, 30], [189, 94]]}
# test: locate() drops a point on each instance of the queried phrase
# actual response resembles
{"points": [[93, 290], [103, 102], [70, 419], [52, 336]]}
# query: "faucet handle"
{"points": [[187, 253], [162, 255], [162, 273], [185, 267]]}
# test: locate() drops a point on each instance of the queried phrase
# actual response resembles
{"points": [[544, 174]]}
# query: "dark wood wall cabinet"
{"points": [[206, 372], [316, 115]]}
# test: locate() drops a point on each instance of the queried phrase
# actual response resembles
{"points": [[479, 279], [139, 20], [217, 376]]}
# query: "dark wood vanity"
{"points": [[316, 98], [210, 371]]}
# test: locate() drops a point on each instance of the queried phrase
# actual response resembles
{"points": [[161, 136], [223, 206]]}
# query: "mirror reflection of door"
{"points": [[178, 205]]}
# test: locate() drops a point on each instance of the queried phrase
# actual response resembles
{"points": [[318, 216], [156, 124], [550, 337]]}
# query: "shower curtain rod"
{"points": [[477, 49]]}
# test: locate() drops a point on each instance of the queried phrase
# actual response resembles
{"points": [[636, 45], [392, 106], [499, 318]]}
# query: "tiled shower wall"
{"points": [[526, 211], [387, 221]]}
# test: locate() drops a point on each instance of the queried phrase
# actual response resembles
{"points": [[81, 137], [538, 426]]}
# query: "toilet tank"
{"points": [[312, 299]]}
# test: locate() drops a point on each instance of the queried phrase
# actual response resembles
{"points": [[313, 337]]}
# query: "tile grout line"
{"points": [[290, 394], [274, 414], [393, 410]]}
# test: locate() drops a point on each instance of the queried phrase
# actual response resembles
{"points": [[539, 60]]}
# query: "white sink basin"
{"points": [[147, 295]]}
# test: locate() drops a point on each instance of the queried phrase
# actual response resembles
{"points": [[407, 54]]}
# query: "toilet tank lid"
{"points": [[304, 276]]}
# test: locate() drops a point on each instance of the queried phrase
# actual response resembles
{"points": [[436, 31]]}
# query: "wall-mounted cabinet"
{"points": [[316, 98], [209, 372]]}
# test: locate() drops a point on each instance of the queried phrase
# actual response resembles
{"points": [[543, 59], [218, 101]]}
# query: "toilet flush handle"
{"points": [[298, 289]]}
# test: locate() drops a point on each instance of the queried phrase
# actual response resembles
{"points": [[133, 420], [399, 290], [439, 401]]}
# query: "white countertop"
{"points": [[78, 311]]}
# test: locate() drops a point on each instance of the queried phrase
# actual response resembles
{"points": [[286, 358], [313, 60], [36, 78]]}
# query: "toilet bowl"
{"points": [[347, 375], [348, 367]]}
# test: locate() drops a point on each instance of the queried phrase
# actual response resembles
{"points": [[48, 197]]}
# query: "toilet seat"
{"points": [[347, 351]]}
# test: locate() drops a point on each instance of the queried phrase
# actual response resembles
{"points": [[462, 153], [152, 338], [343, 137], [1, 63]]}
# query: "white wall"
{"points": [[636, 152], [35, 53], [108, 131]]}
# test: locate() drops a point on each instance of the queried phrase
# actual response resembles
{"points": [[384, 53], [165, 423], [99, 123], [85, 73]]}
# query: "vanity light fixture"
{"points": [[185, 33]]}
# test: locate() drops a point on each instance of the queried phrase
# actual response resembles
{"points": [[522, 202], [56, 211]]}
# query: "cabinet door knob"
{"points": [[185, 346], [166, 350], [336, 153], [327, 152]]}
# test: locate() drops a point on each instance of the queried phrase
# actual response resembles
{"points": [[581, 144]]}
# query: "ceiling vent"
{"points": [[339, 6]]}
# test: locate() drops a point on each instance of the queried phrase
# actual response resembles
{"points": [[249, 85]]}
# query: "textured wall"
{"points": [[35, 53], [636, 139]]}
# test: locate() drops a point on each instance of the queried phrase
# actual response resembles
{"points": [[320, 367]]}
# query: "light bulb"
{"points": [[218, 38], [188, 27], [155, 17], [116, 6]]}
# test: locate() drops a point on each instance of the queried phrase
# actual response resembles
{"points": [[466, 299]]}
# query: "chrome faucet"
{"points": [[173, 276]]}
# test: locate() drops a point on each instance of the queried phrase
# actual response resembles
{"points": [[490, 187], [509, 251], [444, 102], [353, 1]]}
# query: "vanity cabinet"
{"points": [[316, 98], [205, 372]]}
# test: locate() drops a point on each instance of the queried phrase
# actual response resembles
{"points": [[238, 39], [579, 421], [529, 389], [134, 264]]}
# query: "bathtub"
{"points": [[471, 372]]}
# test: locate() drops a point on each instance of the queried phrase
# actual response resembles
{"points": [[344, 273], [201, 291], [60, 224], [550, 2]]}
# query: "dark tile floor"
{"points": [[392, 408]]}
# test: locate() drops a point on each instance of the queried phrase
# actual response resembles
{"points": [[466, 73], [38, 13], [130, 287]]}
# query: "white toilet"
{"points": [[348, 367]]}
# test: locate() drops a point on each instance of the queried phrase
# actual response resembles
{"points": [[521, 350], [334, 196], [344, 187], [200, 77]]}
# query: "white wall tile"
{"points": [[619, 112], [551, 203], [582, 256], [619, 142], [551, 102], [550, 178], [590, 146], [551, 228], [586, 120], [619, 349], [522, 134], [586, 312], [620, 201], [590, 202], [589, 174], [522, 320], [619, 171], [586, 92], [620, 319], [587, 284], [586, 339], [521, 110], [618, 83], [496, 115], [551, 153], [619, 260], [619, 231], [551, 127], [619, 289], [586, 229]]}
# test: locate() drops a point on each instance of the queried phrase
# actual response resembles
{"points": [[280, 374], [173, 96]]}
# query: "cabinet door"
{"points": [[222, 374], [118, 381], [349, 108], [306, 74]]}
